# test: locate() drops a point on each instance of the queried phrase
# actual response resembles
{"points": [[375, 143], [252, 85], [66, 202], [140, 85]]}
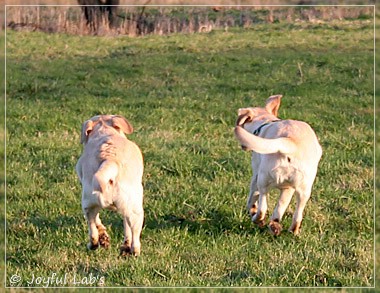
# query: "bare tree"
{"points": [[95, 10]]}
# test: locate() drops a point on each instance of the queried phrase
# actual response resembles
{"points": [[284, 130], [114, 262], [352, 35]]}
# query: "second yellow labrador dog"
{"points": [[110, 171], [285, 155]]}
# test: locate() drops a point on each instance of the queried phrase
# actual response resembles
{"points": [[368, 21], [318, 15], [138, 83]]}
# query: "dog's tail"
{"points": [[261, 145], [104, 180]]}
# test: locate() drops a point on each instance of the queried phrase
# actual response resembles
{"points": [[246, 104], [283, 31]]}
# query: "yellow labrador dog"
{"points": [[285, 155], [110, 171]]}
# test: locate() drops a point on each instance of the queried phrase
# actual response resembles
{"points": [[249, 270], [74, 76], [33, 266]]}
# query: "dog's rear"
{"points": [[285, 155], [110, 170]]}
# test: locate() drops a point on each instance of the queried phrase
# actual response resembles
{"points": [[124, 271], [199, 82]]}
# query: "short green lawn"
{"points": [[181, 93]]}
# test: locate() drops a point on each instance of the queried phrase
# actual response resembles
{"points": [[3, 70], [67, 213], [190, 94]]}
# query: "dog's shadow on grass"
{"points": [[212, 222]]}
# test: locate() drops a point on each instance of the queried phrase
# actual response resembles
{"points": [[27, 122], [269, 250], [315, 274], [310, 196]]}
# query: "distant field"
{"points": [[158, 2], [142, 20], [181, 93]]}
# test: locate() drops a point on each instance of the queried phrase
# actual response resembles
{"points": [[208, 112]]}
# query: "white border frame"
{"points": [[206, 5]]}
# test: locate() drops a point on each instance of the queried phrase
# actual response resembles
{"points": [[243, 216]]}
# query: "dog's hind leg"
{"points": [[126, 247], [302, 198], [252, 197], [137, 220], [91, 213], [259, 217], [136, 231], [133, 217], [104, 239], [285, 198], [132, 230]]}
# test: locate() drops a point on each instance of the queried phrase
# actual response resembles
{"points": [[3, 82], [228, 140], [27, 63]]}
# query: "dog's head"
{"points": [[113, 123], [270, 111]]}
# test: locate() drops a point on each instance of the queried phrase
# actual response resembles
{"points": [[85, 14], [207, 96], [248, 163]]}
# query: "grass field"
{"points": [[181, 93]]}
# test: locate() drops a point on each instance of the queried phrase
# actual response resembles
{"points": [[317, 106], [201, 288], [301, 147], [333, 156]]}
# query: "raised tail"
{"points": [[104, 180], [261, 145]]}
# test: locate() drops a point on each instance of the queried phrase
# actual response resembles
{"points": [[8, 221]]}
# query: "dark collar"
{"points": [[257, 130]]}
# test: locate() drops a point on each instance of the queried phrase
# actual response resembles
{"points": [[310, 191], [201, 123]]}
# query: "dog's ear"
{"points": [[86, 129], [119, 122], [273, 104], [244, 115]]}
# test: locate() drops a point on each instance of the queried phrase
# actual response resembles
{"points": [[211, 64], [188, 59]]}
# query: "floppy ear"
{"points": [[86, 129], [245, 115], [119, 122], [273, 104]]}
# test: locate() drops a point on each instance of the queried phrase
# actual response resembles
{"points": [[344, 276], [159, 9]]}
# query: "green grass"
{"points": [[2, 160], [181, 93]]}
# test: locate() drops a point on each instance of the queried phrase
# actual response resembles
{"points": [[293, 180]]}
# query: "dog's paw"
{"points": [[136, 250], [92, 246], [252, 211], [261, 224], [295, 228], [104, 239], [125, 250], [258, 220], [275, 227]]}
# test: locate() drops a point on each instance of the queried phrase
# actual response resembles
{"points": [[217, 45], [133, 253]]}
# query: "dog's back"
{"points": [[110, 165]]}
